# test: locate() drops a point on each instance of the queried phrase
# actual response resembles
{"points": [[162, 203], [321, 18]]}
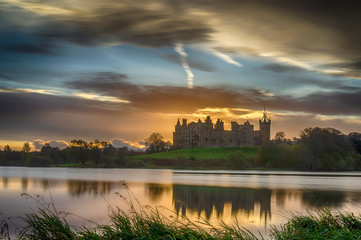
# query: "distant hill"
{"points": [[200, 153]]}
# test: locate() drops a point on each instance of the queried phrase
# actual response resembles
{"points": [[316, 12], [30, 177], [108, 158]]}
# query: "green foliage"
{"points": [[317, 149], [7, 148], [135, 163], [26, 148], [279, 155], [322, 225], [155, 143], [46, 223], [138, 223], [236, 160], [325, 148], [149, 223], [36, 160]]}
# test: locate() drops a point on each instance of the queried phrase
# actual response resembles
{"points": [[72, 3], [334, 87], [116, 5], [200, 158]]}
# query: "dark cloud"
{"points": [[132, 25], [159, 98], [193, 63], [32, 104], [30, 48], [279, 68], [180, 99], [61, 117], [294, 28], [3, 76], [356, 64], [239, 50], [350, 68], [349, 88]]}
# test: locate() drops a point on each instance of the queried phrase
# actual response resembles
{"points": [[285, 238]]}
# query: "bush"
{"points": [[38, 161], [236, 160], [135, 163]]}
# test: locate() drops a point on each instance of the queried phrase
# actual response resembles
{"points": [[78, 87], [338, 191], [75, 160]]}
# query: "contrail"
{"points": [[183, 55], [226, 58]]}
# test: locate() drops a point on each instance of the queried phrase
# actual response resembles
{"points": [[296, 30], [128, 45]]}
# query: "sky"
{"points": [[118, 70]]}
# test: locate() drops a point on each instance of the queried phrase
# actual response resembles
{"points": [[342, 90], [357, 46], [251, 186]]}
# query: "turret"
{"points": [[219, 125], [177, 126], [184, 124], [265, 128], [208, 120]]}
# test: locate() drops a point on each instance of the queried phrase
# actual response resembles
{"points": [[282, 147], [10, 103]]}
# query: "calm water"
{"points": [[256, 198]]}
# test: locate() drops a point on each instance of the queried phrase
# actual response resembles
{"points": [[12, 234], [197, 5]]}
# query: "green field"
{"points": [[200, 153]]}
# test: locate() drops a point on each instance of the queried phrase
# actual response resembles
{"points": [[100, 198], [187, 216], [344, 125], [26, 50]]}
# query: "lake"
{"points": [[256, 198]]}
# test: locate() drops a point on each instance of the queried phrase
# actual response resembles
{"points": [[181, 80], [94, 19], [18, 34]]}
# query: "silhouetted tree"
{"points": [[356, 141], [53, 152], [26, 148], [79, 150], [326, 149], [155, 143]]}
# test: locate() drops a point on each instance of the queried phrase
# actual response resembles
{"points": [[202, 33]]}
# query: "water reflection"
{"points": [[156, 191], [92, 188], [204, 199], [252, 206]]}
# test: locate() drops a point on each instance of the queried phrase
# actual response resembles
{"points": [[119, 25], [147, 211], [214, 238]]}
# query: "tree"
{"points": [[7, 149], [26, 148], [52, 152], [280, 136], [356, 141], [102, 152], [325, 149], [155, 143], [79, 149]]}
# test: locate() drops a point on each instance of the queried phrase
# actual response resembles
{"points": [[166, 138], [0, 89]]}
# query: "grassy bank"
{"points": [[200, 153], [50, 224]]}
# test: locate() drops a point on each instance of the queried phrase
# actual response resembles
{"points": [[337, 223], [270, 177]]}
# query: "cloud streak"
{"points": [[183, 57], [226, 58]]}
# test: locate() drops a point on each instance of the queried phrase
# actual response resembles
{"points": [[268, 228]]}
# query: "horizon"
{"points": [[118, 71]]}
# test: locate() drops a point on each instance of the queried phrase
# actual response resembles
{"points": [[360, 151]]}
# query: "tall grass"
{"points": [[139, 222], [144, 222], [322, 225]]}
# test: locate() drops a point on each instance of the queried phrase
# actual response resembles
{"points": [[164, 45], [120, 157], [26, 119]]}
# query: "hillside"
{"points": [[200, 153]]}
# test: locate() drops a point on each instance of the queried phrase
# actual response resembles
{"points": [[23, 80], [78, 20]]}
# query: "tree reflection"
{"points": [[155, 191], [319, 199], [82, 187], [5, 182]]}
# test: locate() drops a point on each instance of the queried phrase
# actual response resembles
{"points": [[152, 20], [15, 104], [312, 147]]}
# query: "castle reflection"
{"points": [[204, 201], [205, 198], [209, 199]]}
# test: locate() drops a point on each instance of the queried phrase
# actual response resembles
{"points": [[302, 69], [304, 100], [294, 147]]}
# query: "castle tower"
{"points": [[177, 126], [219, 126], [265, 128]]}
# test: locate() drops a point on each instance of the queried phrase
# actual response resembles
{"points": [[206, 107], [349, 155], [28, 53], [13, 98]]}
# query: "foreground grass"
{"points": [[49, 224], [137, 223], [201, 153], [323, 225]]}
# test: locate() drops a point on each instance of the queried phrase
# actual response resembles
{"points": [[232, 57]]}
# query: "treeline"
{"points": [[323, 149], [81, 153], [317, 149]]}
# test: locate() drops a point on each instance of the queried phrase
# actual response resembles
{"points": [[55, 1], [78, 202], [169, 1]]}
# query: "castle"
{"points": [[205, 134]]}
